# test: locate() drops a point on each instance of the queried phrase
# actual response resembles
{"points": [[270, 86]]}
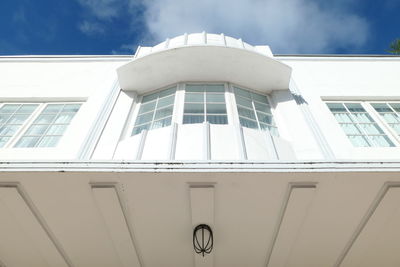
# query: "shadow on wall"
{"points": [[299, 99]]}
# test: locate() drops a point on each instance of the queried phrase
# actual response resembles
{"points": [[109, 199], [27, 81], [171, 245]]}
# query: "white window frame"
{"points": [[387, 130], [24, 127]]}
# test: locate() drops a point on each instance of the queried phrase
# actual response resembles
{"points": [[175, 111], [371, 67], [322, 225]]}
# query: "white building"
{"points": [[113, 160]]}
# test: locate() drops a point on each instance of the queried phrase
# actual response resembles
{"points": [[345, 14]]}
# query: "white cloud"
{"points": [[288, 26], [91, 28], [102, 9]]}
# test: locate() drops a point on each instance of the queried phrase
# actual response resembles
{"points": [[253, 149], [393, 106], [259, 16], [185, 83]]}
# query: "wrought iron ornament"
{"points": [[203, 240]]}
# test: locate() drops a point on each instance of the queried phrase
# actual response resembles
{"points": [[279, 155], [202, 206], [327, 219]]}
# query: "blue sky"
{"points": [[46, 27]]}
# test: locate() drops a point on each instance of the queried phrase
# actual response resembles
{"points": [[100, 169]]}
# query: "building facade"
{"points": [[292, 160]]}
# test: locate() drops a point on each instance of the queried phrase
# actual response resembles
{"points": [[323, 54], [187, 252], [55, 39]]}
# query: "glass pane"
{"points": [[148, 98], [27, 108], [391, 117], [27, 141], [396, 127], [216, 119], [370, 128], [358, 141], [381, 107], [3, 141], [259, 98], [244, 102], [194, 97], [53, 108], [18, 119], [4, 118], [350, 129], [162, 113], [381, 140], [8, 130], [56, 130], [9, 108], [45, 119], [194, 88], [273, 130], [244, 112], [216, 88], [248, 123], [166, 101], [216, 108], [145, 118], [354, 107], [49, 141], [342, 117], [146, 107], [262, 117], [168, 91], [140, 128], [194, 108], [188, 119], [71, 107], [36, 129], [161, 123], [336, 107], [242, 92], [64, 117], [362, 117], [262, 107], [395, 106], [216, 98]]}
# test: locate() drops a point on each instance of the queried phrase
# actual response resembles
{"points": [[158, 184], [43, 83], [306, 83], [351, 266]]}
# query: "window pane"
{"points": [[166, 101], [362, 117], [27, 108], [248, 123], [244, 112], [146, 107], [166, 92], [381, 140], [216, 108], [262, 107], [262, 117], [45, 119], [148, 98], [53, 108], [64, 117], [162, 113], [4, 118], [350, 129], [371, 128], [342, 117], [216, 119], [354, 107], [144, 118], [358, 140], [49, 141], [395, 106], [381, 107], [244, 102], [391, 117], [161, 123], [194, 88], [336, 107], [259, 98], [9, 108], [270, 128], [194, 108], [140, 128], [56, 130], [216, 88], [396, 127], [18, 119], [216, 98], [189, 119], [71, 108], [27, 141], [3, 141], [194, 97], [8, 130], [242, 92], [37, 129]]}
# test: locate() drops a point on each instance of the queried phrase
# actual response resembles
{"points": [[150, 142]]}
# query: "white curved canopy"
{"points": [[211, 63]]}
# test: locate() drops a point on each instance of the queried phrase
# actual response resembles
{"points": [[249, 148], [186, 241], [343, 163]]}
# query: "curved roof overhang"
{"points": [[204, 63]]}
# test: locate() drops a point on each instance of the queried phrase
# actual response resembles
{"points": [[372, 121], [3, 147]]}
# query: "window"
{"points": [[35, 124], [155, 111], [254, 111], [390, 112], [361, 129], [205, 103]]}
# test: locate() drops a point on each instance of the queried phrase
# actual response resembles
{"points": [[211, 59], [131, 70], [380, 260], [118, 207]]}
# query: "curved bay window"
{"points": [[211, 103]]}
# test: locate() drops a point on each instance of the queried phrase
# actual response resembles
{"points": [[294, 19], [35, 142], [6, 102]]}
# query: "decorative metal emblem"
{"points": [[203, 240]]}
